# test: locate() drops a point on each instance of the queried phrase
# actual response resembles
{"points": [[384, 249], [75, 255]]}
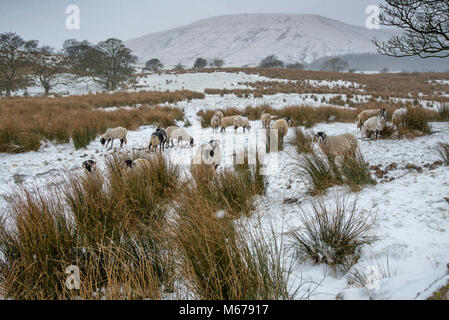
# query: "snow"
{"points": [[411, 216]]}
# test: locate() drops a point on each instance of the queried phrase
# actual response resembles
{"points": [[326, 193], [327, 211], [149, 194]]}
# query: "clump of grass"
{"points": [[321, 171], [233, 191], [221, 260], [302, 141], [318, 172], [416, 122], [443, 150], [332, 235], [355, 171], [111, 226]]}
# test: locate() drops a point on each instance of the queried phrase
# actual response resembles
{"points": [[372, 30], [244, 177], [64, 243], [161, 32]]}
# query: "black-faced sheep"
{"points": [[215, 123], [112, 134], [240, 121], [90, 165], [219, 114], [266, 120], [181, 135], [208, 154], [365, 115], [137, 163], [169, 130], [398, 117], [158, 138], [227, 122], [281, 126], [375, 125], [337, 145]]}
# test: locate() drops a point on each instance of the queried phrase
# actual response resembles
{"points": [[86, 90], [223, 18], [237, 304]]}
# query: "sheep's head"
{"points": [[289, 121], [129, 163], [102, 141], [321, 137]]}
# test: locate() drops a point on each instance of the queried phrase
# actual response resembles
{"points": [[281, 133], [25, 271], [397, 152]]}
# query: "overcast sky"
{"points": [[45, 20]]}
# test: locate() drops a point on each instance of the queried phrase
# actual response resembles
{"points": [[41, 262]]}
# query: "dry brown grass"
{"points": [[401, 85], [23, 128]]}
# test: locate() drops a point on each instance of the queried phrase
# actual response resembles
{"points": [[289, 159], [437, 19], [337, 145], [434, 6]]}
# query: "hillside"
{"points": [[245, 39]]}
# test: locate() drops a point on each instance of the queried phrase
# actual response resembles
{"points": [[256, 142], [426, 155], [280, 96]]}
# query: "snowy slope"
{"points": [[245, 39]]}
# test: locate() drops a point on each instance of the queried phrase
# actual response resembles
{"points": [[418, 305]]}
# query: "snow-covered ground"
{"points": [[412, 217]]}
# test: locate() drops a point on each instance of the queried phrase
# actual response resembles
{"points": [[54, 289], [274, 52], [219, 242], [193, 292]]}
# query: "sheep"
{"points": [[241, 122], [215, 123], [282, 126], [181, 135], [219, 114], [112, 134], [337, 145], [90, 165], [158, 138], [169, 130], [375, 125], [266, 119], [227, 122], [137, 163], [365, 115], [208, 154], [399, 117]]}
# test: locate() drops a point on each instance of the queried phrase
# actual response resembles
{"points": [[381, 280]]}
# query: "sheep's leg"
{"points": [[121, 143]]}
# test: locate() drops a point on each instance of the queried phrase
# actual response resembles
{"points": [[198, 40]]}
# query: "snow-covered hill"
{"points": [[245, 39]]}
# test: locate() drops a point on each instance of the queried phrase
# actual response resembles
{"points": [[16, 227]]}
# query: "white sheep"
{"points": [[399, 117], [266, 120], [282, 126], [365, 115], [215, 123], [241, 122], [181, 135], [337, 145], [219, 114], [112, 134], [208, 154], [375, 125], [169, 130], [227, 122]]}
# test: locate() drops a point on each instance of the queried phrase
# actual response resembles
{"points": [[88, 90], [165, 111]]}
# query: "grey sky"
{"points": [[44, 20]]}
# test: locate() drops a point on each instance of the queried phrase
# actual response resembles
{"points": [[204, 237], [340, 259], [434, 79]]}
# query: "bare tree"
{"points": [[335, 65], [15, 56], [47, 67], [109, 62], [218, 63], [425, 24]]}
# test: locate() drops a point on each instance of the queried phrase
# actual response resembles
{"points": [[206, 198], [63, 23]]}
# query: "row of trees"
{"points": [[155, 65], [23, 63]]}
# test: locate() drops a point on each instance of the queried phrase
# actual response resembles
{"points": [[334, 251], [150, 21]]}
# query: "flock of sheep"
{"points": [[370, 122]]}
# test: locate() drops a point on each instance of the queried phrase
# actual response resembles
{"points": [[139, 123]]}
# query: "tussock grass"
{"points": [[323, 171], [416, 123], [302, 141], [355, 172], [113, 229], [230, 190], [332, 234], [224, 260]]}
